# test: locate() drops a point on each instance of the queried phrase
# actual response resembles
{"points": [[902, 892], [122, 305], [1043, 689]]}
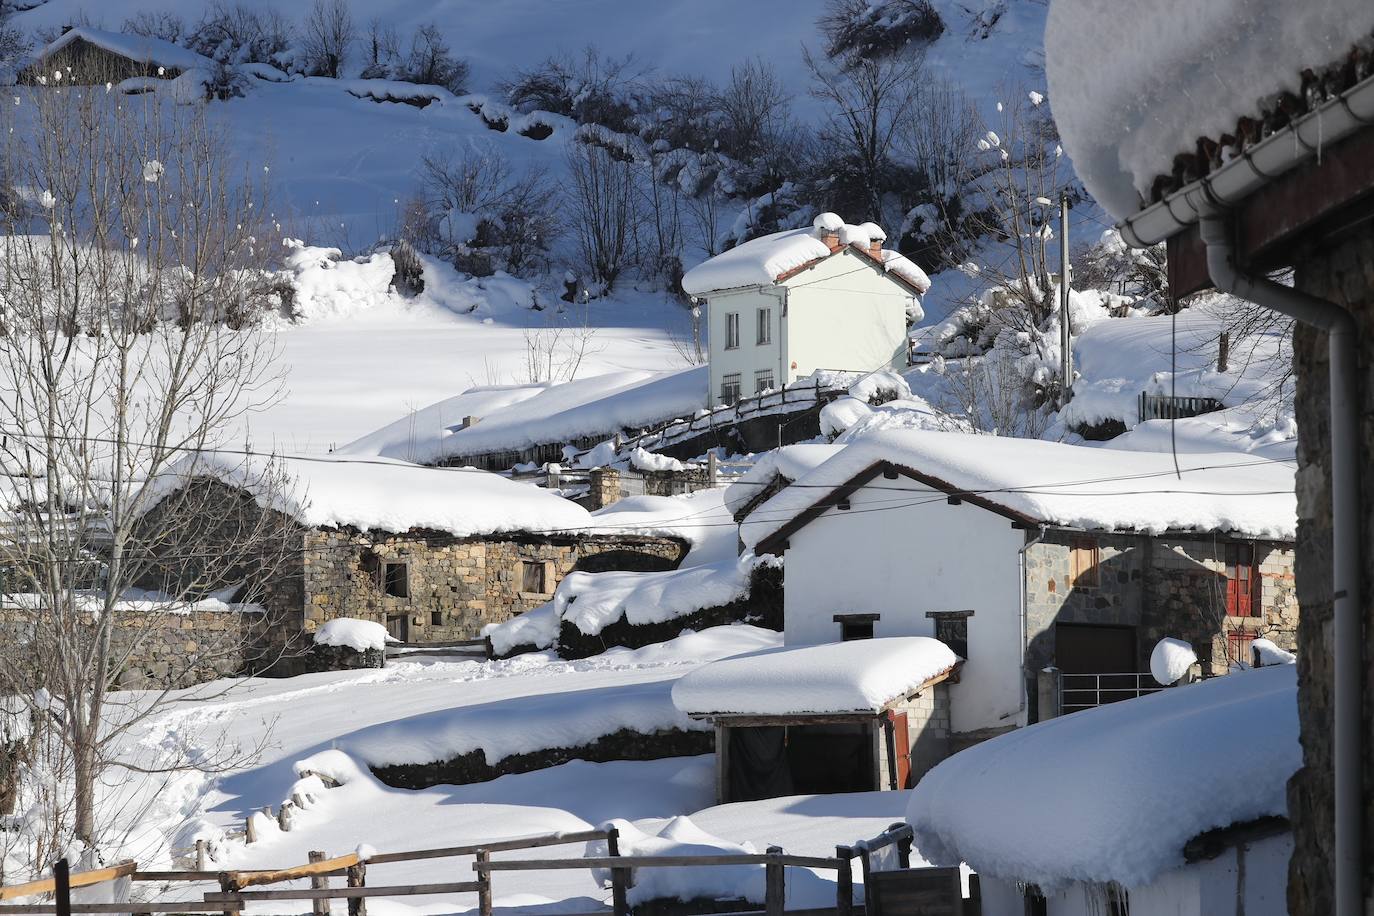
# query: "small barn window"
{"points": [[856, 626], [763, 380], [396, 580], [436, 618], [729, 389], [1083, 563], [765, 335], [532, 577], [732, 331], [1241, 581], [951, 628]]}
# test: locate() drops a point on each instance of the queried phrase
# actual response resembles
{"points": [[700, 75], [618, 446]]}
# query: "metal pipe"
{"points": [[1025, 599], [1345, 535]]}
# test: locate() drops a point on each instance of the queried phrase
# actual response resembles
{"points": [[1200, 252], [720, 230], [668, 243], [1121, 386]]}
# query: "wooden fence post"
{"points": [[200, 855], [357, 877], [319, 907], [774, 884], [250, 830], [844, 882], [620, 884], [62, 888], [483, 884], [226, 885]]}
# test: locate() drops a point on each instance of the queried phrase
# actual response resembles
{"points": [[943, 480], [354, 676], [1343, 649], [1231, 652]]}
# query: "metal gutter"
{"points": [[1347, 608], [1258, 165]]}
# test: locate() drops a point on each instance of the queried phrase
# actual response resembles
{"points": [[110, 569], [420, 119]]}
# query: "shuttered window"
{"points": [[732, 331], [1083, 563], [1242, 581]]}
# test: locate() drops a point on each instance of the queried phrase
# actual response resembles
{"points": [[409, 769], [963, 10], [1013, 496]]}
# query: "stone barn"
{"points": [[846, 717], [433, 554], [88, 56]]}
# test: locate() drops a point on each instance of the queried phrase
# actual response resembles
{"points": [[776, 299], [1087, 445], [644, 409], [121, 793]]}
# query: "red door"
{"points": [[901, 745]]}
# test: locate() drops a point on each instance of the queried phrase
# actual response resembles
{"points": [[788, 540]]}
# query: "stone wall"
{"points": [[454, 587], [1160, 586], [1342, 273]]}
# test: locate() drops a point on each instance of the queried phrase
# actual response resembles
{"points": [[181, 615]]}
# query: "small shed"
{"points": [[93, 56], [842, 717]]}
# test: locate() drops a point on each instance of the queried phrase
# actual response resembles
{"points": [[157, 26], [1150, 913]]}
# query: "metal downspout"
{"points": [[1025, 635], [1345, 532]]}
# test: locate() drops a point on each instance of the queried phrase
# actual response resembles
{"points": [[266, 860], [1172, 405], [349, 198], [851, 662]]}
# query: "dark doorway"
{"points": [[623, 561], [771, 761], [398, 626], [1098, 664]]}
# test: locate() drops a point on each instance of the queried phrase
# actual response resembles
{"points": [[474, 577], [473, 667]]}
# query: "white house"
{"points": [[1023, 554], [781, 306], [1144, 807]]}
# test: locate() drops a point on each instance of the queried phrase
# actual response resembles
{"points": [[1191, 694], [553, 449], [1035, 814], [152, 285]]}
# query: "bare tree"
{"points": [[754, 107], [868, 105], [128, 351], [162, 24], [328, 33], [605, 212]]}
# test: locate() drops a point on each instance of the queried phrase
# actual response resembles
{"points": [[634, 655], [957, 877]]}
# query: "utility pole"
{"points": [[1065, 338]]}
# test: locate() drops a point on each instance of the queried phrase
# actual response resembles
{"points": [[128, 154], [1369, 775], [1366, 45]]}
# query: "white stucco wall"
{"points": [[1217, 887], [845, 313], [899, 551], [749, 356]]}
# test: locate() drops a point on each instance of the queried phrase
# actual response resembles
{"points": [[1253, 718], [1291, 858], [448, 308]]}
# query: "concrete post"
{"points": [[1047, 689]]}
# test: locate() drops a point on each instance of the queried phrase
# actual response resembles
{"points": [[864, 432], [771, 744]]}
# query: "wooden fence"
{"points": [[468, 648], [237, 890]]}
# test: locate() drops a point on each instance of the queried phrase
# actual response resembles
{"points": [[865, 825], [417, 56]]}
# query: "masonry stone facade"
{"points": [[1160, 586], [1341, 273]]}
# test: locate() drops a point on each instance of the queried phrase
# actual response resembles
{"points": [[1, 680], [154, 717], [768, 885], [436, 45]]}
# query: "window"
{"points": [[1242, 582], [763, 380], [532, 577], [765, 335], [856, 626], [732, 330], [396, 580], [1083, 559], [951, 628], [436, 618], [729, 389]]}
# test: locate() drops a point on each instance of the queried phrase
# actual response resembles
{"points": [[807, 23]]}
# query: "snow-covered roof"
{"points": [[786, 464], [1134, 84], [1051, 483], [383, 495], [1114, 793], [858, 676], [762, 261], [517, 417], [141, 48]]}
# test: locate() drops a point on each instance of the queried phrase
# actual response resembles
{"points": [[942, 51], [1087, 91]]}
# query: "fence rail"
{"points": [[1086, 691], [1165, 407]]}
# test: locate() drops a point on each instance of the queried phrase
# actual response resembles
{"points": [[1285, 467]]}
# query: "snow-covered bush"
{"points": [[236, 34], [861, 29]]}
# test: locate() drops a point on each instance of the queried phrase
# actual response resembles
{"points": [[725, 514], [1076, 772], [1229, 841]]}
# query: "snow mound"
{"points": [[781, 465], [1115, 70], [593, 601], [326, 285], [862, 675], [1170, 660], [538, 628], [1270, 654], [358, 635], [1114, 793], [680, 837], [1068, 485]]}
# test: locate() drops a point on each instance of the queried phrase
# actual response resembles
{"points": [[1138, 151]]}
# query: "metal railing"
{"points": [[1164, 407], [1085, 691]]}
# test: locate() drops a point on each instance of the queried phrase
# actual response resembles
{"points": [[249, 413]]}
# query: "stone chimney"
{"points": [[831, 238], [470, 422], [875, 249]]}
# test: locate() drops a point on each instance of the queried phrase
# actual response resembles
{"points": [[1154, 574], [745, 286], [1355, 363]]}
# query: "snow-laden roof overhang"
{"points": [[858, 677], [140, 48]]}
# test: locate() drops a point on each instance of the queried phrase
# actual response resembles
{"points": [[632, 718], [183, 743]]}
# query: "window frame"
{"points": [[857, 626], [764, 327], [726, 384], [732, 330], [1243, 593], [1081, 575], [540, 569], [385, 578], [954, 625], [760, 375]]}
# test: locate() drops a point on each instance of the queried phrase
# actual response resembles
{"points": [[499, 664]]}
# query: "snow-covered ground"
{"points": [[324, 723]]}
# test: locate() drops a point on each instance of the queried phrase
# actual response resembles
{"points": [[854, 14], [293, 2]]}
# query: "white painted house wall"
{"points": [[843, 313], [1217, 887], [901, 550]]}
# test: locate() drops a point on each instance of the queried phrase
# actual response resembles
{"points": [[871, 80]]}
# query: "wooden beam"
{"points": [[529, 842], [176, 906], [242, 879], [333, 893], [80, 879], [654, 862]]}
